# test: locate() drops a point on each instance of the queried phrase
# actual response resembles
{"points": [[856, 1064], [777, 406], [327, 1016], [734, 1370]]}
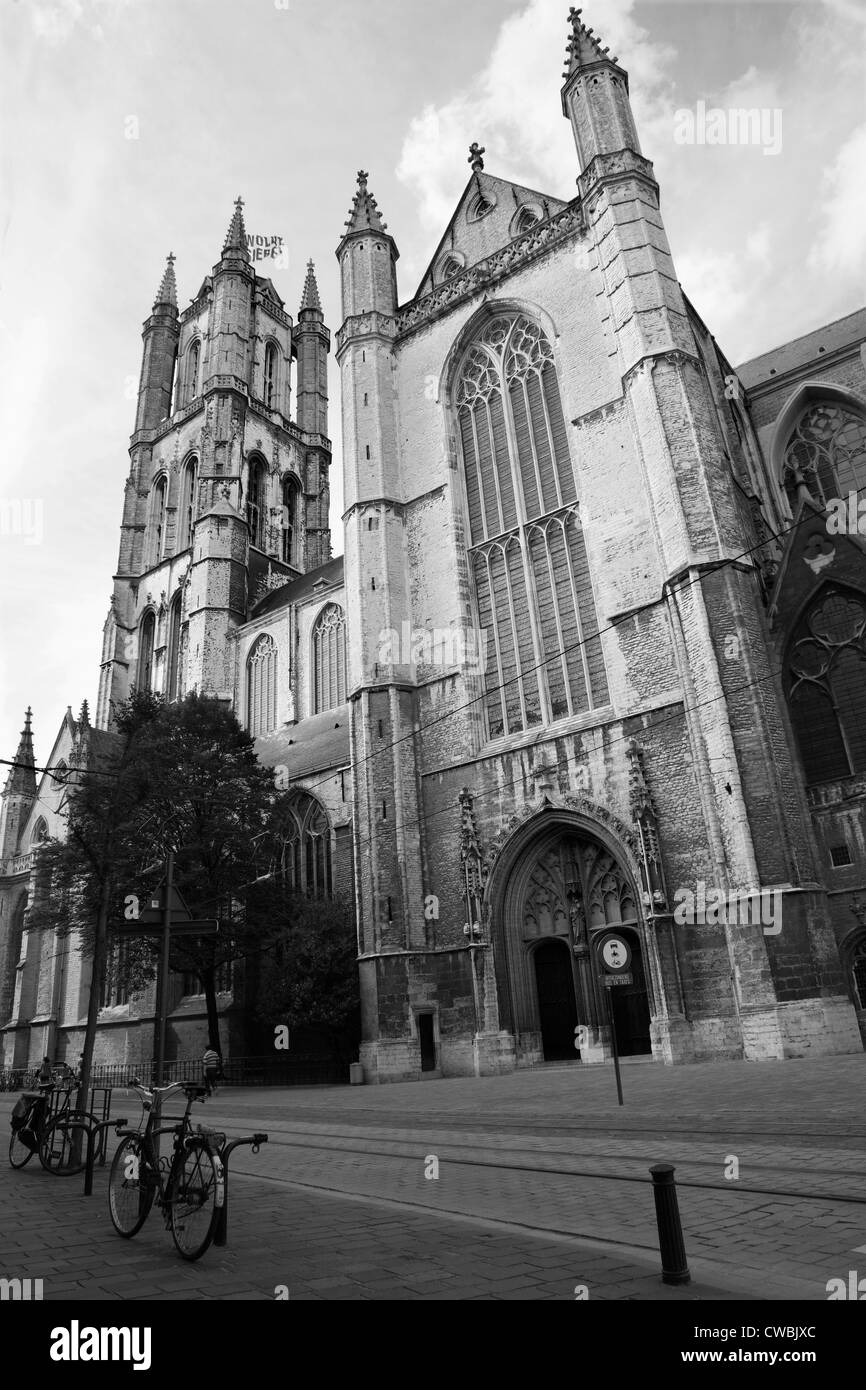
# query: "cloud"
{"points": [[841, 245], [55, 20], [512, 108], [722, 284]]}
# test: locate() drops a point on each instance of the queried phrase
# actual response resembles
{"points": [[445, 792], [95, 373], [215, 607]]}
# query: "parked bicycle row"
{"points": [[189, 1184]]}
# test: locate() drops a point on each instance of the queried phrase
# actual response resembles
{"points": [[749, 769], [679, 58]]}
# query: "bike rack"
{"points": [[221, 1234], [92, 1132]]}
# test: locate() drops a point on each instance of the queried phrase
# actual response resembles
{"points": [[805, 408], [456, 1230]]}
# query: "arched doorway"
{"points": [[557, 1005], [564, 887]]}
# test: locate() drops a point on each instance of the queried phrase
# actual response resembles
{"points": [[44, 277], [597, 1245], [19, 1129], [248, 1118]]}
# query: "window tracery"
{"points": [[526, 549]]}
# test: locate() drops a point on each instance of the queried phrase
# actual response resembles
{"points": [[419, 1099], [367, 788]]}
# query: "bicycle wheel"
{"points": [[63, 1150], [131, 1187], [19, 1152], [195, 1196]]}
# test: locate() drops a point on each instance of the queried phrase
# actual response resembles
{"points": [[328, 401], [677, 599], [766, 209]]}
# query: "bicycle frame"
{"points": [[164, 1171], [46, 1111]]}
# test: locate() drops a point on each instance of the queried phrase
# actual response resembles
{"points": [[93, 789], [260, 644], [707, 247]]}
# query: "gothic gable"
{"points": [[491, 213]]}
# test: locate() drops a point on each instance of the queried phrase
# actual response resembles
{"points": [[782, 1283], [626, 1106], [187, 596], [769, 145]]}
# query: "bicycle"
{"points": [[59, 1135], [188, 1185]]}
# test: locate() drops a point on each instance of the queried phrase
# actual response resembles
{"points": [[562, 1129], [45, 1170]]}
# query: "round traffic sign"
{"points": [[615, 952]]}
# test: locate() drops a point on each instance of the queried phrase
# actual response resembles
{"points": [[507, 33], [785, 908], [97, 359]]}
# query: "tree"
{"points": [[309, 980], [80, 881], [210, 802]]}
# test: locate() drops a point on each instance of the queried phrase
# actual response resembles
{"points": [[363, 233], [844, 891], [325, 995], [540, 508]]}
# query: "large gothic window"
{"points": [[329, 658], [39, 833], [146, 639], [113, 985], [188, 504], [193, 358], [290, 522], [306, 856], [262, 686], [527, 550], [270, 383], [157, 521], [174, 634], [826, 680], [256, 504], [827, 451]]}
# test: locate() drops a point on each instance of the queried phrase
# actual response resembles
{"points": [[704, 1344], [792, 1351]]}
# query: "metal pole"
{"points": [[613, 1044], [675, 1269], [162, 990], [162, 995]]}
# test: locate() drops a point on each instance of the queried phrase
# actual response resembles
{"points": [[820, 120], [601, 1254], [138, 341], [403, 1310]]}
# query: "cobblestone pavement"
{"points": [[542, 1185]]}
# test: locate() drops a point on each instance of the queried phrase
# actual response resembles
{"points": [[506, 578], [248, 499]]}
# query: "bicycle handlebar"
{"points": [[149, 1094]]}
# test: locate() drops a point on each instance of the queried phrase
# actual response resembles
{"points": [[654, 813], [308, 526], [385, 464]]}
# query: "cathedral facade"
{"points": [[592, 662]]}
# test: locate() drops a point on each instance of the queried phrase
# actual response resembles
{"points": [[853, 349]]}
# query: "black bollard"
{"points": [[675, 1270]]}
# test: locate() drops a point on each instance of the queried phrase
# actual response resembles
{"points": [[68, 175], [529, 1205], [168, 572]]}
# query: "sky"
{"points": [[129, 127]]}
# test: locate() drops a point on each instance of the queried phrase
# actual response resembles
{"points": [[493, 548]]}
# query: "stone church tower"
{"points": [[565, 716], [227, 494]]}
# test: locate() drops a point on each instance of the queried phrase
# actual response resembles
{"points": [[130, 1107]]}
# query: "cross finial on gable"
{"points": [[475, 153]]}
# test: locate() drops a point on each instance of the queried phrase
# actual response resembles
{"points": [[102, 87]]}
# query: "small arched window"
{"points": [[256, 503], [827, 452], [39, 833], [479, 208], [262, 686], [449, 268], [329, 659], [526, 218], [174, 634], [290, 521], [188, 503], [146, 638], [270, 391], [826, 683], [158, 521], [193, 357]]}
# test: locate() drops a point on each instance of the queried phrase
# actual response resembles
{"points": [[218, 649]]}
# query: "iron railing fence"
{"points": [[294, 1070]]}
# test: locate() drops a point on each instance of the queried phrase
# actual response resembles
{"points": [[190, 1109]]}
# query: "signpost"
{"points": [[614, 958]]}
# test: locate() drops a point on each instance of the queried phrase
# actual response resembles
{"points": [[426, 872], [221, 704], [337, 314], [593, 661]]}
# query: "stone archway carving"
{"points": [[606, 853]]}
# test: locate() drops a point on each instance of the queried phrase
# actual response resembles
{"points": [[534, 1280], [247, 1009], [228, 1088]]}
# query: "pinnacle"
{"points": [[167, 292], [236, 236], [22, 777], [310, 297], [364, 215], [84, 715], [584, 47]]}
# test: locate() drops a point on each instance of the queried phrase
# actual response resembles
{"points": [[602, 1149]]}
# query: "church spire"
{"points": [[310, 297], [167, 292], [22, 777], [595, 98], [236, 236], [364, 215], [584, 47]]}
